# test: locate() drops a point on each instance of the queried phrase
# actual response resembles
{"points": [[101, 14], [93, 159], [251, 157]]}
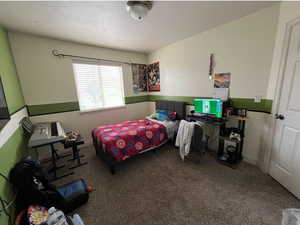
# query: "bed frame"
{"points": [[178, 107]]}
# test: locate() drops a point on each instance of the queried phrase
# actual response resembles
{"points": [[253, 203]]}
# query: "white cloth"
{"points": [[171, 126], [184, 137]]}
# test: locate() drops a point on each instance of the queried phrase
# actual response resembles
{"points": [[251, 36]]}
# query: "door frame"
{"points": [[278, 89]]}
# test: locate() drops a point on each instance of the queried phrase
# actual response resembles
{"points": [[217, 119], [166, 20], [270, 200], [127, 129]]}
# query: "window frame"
{"points": [[99, 63]]}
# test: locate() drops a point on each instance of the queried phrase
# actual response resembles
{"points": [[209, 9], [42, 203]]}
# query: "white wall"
{"points": [[288, 12], [46, 79], [243, 47]]}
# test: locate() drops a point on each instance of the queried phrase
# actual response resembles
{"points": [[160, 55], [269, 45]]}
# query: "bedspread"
{"points": [[129, 138]]}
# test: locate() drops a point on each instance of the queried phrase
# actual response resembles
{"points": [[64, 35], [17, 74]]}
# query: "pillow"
{"points": [[165, 115], [172, 115], [154, 116]]}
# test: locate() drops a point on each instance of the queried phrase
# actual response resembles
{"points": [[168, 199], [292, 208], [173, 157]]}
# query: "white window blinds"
{"points": [[98, 86]]}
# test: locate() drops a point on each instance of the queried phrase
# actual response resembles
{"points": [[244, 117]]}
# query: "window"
{"points": [[98, 86]]}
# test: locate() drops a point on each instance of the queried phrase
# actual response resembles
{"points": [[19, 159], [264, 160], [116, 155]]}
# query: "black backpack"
{"points": [[32, 187]]}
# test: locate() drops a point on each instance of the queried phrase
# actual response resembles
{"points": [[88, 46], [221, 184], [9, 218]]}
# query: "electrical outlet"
{"points": [[257, 99]]}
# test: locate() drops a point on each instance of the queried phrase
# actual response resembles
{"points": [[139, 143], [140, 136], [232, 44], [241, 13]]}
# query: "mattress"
{"points": [[129, 138]]}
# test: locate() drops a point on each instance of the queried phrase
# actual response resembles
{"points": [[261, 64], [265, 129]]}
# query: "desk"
{"points": [[223, 137]]}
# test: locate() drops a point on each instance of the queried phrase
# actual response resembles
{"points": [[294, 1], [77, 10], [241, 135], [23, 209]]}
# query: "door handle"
{"points": [[279, 116]]}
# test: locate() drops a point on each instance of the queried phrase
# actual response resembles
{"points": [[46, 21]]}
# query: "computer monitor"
{"points": [[208, 106]]}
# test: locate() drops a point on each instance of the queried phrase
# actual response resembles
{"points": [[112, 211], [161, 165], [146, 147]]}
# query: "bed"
{"points": [[116, 143]]}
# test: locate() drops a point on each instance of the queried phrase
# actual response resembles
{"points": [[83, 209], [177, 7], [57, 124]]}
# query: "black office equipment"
{"points": [[225, 155]]}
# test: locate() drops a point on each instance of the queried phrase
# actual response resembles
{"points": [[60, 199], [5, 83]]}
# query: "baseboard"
{"points": [[250, 161]]}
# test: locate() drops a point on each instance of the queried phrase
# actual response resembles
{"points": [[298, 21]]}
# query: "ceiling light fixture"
{"points": [[138, 9]]}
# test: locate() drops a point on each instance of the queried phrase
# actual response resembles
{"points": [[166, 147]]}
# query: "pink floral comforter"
{"points": [[129, 138]]}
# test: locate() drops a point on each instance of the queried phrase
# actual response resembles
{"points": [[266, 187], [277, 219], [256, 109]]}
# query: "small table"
{"points": [[76, 156]]}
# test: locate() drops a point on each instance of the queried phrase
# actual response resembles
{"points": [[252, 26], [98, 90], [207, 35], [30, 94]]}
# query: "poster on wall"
{"points": [[153, 76], [139, 77], [222, 80], [221, 86]]}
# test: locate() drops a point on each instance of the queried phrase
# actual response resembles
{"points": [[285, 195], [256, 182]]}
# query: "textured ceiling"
{"points": [[108, 23]]}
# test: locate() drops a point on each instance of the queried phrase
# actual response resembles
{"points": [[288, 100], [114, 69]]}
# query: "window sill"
{"points": [[101, 109]]}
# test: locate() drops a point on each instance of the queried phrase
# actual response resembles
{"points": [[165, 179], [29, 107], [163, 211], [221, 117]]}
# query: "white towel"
{"points": [[184, 137]]}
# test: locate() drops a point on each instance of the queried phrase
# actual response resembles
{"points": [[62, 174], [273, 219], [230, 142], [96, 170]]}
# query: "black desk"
{"points": [[222, 124]]}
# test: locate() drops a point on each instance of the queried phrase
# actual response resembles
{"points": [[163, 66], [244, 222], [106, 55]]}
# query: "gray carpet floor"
{"points": [[159, 188]]}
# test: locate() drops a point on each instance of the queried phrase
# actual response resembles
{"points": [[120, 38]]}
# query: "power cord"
{"points": [[5, 205], [4, 209]]}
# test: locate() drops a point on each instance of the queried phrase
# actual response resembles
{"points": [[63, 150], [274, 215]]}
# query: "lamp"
{"points": [[138, 9]]}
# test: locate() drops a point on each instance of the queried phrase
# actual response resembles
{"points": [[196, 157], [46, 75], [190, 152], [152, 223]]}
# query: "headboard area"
{"points": [[178, 107]]}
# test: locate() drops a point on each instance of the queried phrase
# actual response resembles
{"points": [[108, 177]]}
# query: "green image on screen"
{"points": [[208, 106]]}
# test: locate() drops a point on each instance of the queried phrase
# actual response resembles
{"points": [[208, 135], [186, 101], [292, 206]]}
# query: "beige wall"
{"points": [[243, 47], [46, 79]]}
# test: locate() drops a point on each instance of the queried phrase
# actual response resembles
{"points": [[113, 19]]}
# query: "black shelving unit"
{"points": [[238, 153]]}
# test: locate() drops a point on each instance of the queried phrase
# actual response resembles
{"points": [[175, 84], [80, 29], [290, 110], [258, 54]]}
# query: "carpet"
{"points": [[159, 188]]}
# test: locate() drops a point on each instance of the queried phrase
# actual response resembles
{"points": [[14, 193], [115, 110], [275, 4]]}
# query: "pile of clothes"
{"points": [[189, 138]]}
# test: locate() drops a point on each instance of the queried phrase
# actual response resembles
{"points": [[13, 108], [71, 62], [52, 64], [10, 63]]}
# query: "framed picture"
{"points": [[139, 76], [222, 80], [153, 76]]}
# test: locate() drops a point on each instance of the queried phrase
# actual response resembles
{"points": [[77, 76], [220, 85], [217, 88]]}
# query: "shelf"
{"points": [[226, 138], [237, 117]]}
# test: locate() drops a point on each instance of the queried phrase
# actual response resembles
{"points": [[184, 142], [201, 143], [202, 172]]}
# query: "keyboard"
{"points": [[46, 133]]}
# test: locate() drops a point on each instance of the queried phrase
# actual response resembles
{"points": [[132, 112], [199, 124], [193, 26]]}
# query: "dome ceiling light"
{"points": [[138, 9]]}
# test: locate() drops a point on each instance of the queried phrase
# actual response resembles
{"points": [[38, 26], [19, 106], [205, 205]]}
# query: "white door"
{"points": [[285, 160]]}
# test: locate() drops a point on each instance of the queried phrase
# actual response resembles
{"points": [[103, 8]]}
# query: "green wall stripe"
{"points": [[35, 110], [43, 109], [136, 99], [248, 103], [264, 106], [187, 99]]}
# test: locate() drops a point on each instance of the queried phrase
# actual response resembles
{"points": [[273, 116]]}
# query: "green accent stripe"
{"points": [[187, 99], [136, 99], [34, 110], [264, 106], [248, 103], [43, 109]]}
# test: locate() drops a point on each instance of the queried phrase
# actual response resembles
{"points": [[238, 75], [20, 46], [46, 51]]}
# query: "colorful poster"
{"points": [[139, 77], [222, 80], [153, 76]]}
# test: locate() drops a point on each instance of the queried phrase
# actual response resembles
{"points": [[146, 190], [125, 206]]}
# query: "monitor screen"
{"points": [[208, 106]]}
